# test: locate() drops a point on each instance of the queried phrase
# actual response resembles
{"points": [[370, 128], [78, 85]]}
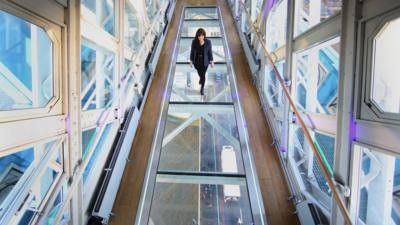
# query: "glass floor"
{"points": [[199, 172]]}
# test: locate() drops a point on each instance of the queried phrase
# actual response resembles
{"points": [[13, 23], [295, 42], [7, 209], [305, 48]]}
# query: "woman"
{"points": [[201, 56]]}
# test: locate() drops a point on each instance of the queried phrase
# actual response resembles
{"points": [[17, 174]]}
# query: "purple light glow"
{"points": [[68, 124]]}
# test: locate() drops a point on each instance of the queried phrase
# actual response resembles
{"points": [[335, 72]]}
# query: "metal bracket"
{"points": [[345, 190]]}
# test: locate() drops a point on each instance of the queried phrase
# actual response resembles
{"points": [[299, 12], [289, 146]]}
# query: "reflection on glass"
{"points": [[201, 139], [100, 13], [217, 47], [312, 12], [151, 9], [385, 90], [12, 168], [55, 208], [201, 13], [211, 27], [30, 212], [186, 85], [128, 78], [311, 175], [317, 78], [272, 87], [379, 185], [26, 70], [276, 26], [131, 26], [96, 152], [47, 180], [97, 78], [44, 183], [189, 200], [256, 8]]}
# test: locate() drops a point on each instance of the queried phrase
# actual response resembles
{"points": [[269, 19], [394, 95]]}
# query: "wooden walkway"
{"points": [[273, 184]]}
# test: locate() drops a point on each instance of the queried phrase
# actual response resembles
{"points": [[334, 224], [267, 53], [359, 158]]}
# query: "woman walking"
{"points": [[201, 56]]}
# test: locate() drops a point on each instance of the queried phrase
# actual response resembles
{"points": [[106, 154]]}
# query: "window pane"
{"points": [[12, 168], [100, 13], [276, 26], [198, 200], [87, 140], [272, 87], [312, 12], [211, 27], [151, 9], [379, 180], [317, 74], [128, 78], [96, 152], [305, 164], [385, 91], [26, 70], [97, 78], [55, 208], [131, 26], [201, 13]]}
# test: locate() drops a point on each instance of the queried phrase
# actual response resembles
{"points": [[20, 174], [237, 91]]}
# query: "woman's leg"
{"points": [[202, 74]]}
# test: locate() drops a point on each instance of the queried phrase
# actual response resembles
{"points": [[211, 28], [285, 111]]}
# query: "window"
{"points": [[17, 171], [314, 185], [132, 26], [312, 12], [26, 79], [100, 13], [276, 26], [385, 80], [151, 9], [128, 78], [50, 218], [97, 77], [317, 74], [378, 186], [272, 87], [96, 152], [13, 167]]}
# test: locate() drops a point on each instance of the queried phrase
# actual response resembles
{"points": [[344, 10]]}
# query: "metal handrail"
{"points": [[326, 173]]}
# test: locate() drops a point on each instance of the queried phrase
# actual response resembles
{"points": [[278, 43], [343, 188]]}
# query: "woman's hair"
{"points": [[199, 32]]}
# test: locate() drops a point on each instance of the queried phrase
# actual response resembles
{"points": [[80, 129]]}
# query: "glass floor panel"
{"points": [[201, 13], [217, 46], [200, 169], [201, 138], [190, 27], [200, 200], [186, 87]]}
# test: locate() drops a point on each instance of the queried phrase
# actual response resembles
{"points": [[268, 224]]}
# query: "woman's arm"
{"points": [[192, 52], [210, 54]]}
